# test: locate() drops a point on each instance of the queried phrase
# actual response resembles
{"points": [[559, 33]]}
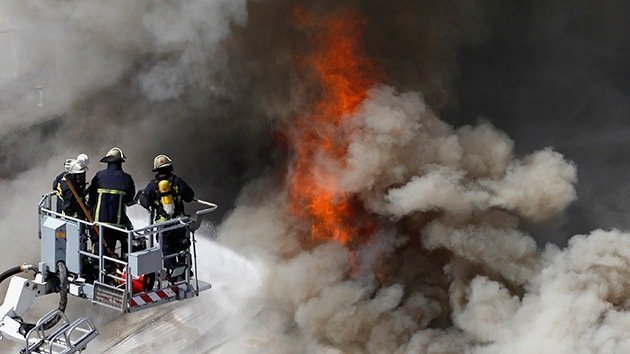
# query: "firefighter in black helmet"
{"points": [[110, 191], [165, 196]]}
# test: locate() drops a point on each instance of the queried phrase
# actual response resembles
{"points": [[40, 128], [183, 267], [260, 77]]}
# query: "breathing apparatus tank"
{"points": [[166, 197]]}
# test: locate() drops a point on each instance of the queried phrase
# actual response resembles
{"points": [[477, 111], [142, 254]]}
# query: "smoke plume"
{"points": [[442, 245]]}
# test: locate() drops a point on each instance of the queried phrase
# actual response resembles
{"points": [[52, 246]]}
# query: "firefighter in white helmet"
{"points": [[73, 174], [165, 195]]}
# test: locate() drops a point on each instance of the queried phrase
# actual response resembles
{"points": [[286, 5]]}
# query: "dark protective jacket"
{"points": [[67, 204], [110, 191], [180, 191]]}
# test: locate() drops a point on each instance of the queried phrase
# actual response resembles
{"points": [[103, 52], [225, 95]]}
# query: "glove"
{"points": [[185, 242]]}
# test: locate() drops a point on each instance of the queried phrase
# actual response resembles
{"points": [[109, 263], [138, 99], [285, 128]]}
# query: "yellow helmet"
{"points": [[161, 161]]}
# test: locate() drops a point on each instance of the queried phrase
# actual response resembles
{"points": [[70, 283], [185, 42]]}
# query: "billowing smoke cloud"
{"points": [[142, 76], [449, 270], [399, 140], [578, 303], [552, 74], [461, 277], [85, 76]]}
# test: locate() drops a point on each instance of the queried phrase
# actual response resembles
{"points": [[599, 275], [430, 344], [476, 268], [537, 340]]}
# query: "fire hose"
{"points": [[15, 270]]}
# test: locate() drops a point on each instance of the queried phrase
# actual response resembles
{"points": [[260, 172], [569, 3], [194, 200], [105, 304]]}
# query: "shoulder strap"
{"points": [[174, 187]]}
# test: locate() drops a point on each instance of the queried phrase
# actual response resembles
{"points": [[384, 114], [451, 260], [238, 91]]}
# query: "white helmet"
{"points": [[161, 161], [84, 158], [75, 166]]}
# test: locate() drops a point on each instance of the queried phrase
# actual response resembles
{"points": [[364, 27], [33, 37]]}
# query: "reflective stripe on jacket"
{"points": [[66, 202], [110, 191]]}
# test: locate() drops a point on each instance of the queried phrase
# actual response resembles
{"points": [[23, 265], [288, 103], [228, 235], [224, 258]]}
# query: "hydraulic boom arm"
{"points": [[53, 333]]}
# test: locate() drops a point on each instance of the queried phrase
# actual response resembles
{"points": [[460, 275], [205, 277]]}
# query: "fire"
{"points": [[345, 75]]}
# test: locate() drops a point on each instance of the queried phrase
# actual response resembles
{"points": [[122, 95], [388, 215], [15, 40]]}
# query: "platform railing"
{"points": [[148, 233], [66, 337]]}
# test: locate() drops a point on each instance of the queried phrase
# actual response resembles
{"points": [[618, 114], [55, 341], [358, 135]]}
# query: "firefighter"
{"points": [[110, 191], [74, 174], [67, 203], [165, 196]]}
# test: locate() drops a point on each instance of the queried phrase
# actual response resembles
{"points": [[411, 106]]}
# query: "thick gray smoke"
{"points": [[139, 75], [553, 73], [488, 290], [452, 267]]}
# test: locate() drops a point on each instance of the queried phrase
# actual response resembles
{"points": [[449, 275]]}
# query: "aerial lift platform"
{"points": [[75, 261]]}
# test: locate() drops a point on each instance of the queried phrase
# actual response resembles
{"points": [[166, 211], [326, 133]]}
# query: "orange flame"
{"points": [[345, 76]]}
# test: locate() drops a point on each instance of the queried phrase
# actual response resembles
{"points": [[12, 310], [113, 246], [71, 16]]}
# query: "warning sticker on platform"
{"points": [[109, 296]]}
